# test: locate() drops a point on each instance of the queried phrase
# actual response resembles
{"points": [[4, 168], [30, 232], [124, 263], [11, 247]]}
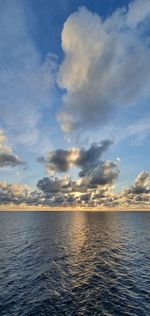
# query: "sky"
{"points": [[74, 104]]}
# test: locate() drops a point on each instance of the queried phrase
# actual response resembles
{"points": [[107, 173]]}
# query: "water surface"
{"points": [[74, 263]]}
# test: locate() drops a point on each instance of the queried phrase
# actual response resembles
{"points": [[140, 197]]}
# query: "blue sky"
{"points": [[74, 73]]}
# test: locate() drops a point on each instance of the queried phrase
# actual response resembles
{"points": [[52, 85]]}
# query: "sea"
{"points": [[74, 263]]}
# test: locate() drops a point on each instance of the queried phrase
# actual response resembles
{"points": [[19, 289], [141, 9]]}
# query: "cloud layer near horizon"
{"points": [[58, 192], [93, 188]]}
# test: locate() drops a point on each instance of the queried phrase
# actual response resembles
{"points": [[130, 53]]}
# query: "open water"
{"points": [[74, 263]]}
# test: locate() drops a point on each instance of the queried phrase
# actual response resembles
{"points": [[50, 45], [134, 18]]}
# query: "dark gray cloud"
{"points": [[8, 159], [63, 192], [96, 189], [54, 185], [94, 174], [12, 193], [139, 193], [85, 197], [93, 154], [58, 160], [142, 183], [18, 194], [61, 160], [104, 173]]}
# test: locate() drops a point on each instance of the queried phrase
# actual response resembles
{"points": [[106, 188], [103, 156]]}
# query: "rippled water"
{"points": [[74, 263]]}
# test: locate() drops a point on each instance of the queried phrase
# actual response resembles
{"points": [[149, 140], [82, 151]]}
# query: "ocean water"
{"points": [[74, 263]]}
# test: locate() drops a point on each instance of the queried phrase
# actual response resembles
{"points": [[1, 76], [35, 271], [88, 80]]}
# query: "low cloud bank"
{"points": [[94, 187], [63, 192]]}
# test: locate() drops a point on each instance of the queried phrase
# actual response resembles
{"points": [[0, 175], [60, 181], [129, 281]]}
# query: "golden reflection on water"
{"points": [[78, 231], [87, 245], [82, 256]]}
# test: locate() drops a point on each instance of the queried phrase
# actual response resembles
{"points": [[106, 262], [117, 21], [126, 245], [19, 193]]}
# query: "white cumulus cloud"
{"points": [[106, 64]]}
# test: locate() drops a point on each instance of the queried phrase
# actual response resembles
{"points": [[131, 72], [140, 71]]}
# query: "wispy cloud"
{"points": [[26, 82], [137, 131]]}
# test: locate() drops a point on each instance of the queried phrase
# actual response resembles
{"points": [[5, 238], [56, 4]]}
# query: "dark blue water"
{"points": [[74, 263]]}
